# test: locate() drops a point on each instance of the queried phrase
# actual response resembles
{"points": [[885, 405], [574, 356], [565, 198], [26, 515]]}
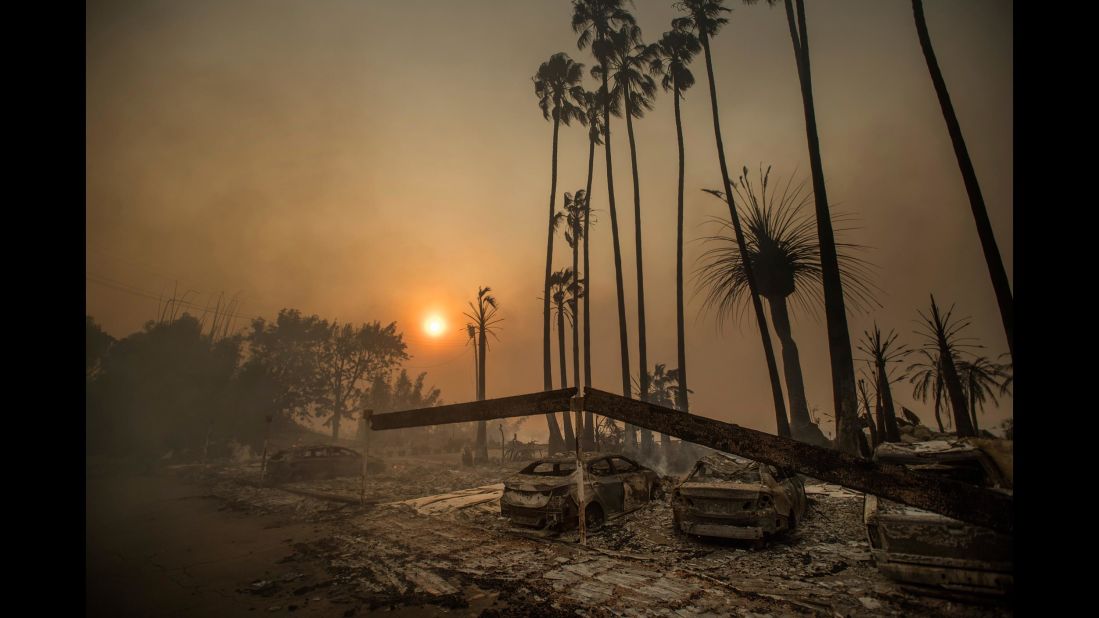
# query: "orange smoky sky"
{"points": [[381, 160]]}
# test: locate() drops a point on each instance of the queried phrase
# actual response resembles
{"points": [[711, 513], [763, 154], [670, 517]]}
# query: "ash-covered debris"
{"points": [[434, 537]]}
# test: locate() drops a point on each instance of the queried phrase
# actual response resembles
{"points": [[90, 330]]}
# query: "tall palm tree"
{"points": [[839, 338], [557, 86], [941, 334], [785, 257], [993, 260], [628, 61], [882, 352], [704, 19], [561, 282], [483, 314], [593, 118], [980, 377], [576, 209], [594, 20], [926, 377], [674, 52]]}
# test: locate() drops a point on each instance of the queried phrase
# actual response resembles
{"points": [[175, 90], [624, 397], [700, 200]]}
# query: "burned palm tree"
{"points": [[703, 17], [867, 417], [780, 239], [927, 382], [594, 20], [993, 261], [673, 54], [942, 335], [980, 378], [557, 86], [839, 338], [629, 60], [664, 386], [884, 351], [593, 119], [483, 314], [576, 213], [561, 282]]}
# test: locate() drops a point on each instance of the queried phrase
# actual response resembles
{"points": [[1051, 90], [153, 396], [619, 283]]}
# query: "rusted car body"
{"points": [[544, 494], [318, 462], [735, 498], [926, 549]]}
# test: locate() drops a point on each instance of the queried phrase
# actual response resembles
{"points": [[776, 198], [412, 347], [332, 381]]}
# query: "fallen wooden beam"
{"points": [[490, 409], [976, 505]]}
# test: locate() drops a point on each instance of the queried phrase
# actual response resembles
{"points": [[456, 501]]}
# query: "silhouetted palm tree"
{"points": [[882, 352], [484, 317], [561, 282], [557, 86], [593, 118], [980, 377], [673, 53], [868, 420], [926, 377], [941, 334], [628, 61], [594, 20], [839, 338], [993, 261], [704, 18], [785, 257], [576, 209]]}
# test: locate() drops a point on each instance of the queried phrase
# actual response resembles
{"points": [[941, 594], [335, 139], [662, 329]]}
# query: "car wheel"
{"points": [[593, 516]]}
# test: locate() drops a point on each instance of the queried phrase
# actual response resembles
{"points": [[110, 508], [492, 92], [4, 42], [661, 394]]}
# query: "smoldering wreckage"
{"points": [[756, 525]]}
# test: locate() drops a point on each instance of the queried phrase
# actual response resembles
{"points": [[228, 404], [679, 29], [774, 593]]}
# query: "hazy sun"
{"points": [[434, 326]]}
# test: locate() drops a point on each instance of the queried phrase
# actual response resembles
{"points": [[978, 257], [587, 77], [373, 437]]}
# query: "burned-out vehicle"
{"points": [[544, 494], [735, 498], [318, 462], [922, 548]]}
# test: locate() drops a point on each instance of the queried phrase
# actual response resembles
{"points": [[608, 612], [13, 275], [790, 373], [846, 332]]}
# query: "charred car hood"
{"points": [[531, 482], [723, 489]]}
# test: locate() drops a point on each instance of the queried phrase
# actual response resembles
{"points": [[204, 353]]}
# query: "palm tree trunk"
{"points": [[889, 414], [555, 443], [681, 391], [839, 339], [801, 424], [573, 305], [782, 425], [622, 334], [481, 454], [566, 422], [879, 415], [955, 392], [641, 347], [938, 400], [973, 410], [993, 260], [589, 427]]}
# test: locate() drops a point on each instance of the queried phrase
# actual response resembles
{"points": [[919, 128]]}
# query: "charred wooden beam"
{"points": [[976, 505], [503, 407]]}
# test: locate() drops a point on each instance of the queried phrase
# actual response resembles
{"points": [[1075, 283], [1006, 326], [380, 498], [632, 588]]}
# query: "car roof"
{"points": [[587, 457], [727, 464]]}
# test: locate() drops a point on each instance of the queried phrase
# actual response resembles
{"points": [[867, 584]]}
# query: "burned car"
{"points": [[318, 462], [922, 548], [544, 494], [735, 498]]}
